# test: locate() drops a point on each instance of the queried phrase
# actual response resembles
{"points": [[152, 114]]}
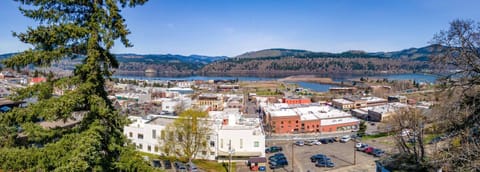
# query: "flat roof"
{"points": [[373, 99], [342, 101], [160, 121], [283, 113]]}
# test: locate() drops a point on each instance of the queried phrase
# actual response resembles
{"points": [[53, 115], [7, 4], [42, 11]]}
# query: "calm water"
{"points": [[313, 86]]}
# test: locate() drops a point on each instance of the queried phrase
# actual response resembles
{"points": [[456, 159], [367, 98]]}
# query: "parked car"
{"points": [[181, 167], [324, 159], [345, 139], [331, 140], [314, 158], [276, 158], [378, 152], [323, 141], [177, 164], [324, 164], [156, 163], [191, 167], [167, 164], [363, 147], [279, 162], [357, 145], [309, 143], [300, 143], [273, 149], [279, 154], [368, 150]]}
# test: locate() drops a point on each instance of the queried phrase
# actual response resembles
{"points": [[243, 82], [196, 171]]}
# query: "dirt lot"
{"points": [[342, 154]]}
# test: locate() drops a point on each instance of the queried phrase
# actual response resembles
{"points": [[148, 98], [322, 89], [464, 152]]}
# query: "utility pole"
{"points": [[293, 157], [230, 154], [354, 153]]}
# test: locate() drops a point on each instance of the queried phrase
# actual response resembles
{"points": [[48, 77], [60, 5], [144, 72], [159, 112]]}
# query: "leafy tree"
{"points": [[69, 29], [408, 128], [187, 135], [459, 115], [362, 128]]}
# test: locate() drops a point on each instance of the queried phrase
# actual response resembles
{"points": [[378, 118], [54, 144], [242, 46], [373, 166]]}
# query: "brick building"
{"points": [[283, 118], [296, 101]]}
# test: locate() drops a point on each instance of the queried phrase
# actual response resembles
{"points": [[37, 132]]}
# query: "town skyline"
{"points": [[217, 28]]}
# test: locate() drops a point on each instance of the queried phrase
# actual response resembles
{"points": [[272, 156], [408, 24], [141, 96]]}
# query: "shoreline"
{"points": [[312, 79]]}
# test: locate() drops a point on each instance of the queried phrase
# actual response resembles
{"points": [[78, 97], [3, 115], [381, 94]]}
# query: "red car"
{"points": [[369, 150]]}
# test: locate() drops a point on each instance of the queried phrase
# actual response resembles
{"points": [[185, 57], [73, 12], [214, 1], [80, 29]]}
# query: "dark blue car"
{"points": [[314, 158], [325, 164]]}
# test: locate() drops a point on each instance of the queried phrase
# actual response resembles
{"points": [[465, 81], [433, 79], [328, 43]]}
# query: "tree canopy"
{"points": [[459, 115], [66, 30], [187, 135]]}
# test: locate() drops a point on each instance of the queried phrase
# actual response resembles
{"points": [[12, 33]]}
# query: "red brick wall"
{"points": [[285, 124], [311, 126], [296, 101]]}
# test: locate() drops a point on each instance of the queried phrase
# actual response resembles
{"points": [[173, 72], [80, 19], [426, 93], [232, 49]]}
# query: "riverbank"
{"points": [[312, 79]]}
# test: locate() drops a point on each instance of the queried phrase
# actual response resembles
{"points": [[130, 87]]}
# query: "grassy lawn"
{"points": [[375, 136], [206, 165], [213, 166]]}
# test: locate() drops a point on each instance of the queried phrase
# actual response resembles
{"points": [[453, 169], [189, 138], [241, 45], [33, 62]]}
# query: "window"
{"points": [[140, 136], [256, 144], [154, 134], [221, 143], [212, 153], [296, 122], [155, 148], [289, 122], [208, 137], [212, 143], [281, 122], [130, 134], [140, 146], [149, 148], [241, 143], [162, 134], [204, 152]]}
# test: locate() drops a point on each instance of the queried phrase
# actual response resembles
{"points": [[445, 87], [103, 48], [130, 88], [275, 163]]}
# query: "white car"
{"points": [[300, 143], [358, 145], [316, 142], [345, 139]]}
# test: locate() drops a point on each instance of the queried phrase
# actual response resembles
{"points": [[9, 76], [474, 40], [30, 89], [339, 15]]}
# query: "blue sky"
{"points": [[232, 27]]}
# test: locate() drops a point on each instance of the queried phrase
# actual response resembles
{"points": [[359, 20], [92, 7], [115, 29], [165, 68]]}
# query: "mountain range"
{"points": [[278, 60]]}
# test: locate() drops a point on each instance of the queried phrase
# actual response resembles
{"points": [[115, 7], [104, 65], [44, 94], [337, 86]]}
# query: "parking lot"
{"points": [[342, 154]]}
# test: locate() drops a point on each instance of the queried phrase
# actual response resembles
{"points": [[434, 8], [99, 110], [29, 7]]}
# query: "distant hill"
{"points": [[277, 61], [167, 58], [421, 54], [276, 52]]}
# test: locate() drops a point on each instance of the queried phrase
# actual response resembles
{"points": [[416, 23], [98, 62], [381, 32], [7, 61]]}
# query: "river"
{"points": [[313, 86]]}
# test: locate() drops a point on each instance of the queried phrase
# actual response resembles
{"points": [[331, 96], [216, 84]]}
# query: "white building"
{"points": [[231, 133]]}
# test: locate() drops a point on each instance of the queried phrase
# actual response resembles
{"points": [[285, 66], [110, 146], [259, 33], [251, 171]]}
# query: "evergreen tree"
{"points": [[69, 29]]}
